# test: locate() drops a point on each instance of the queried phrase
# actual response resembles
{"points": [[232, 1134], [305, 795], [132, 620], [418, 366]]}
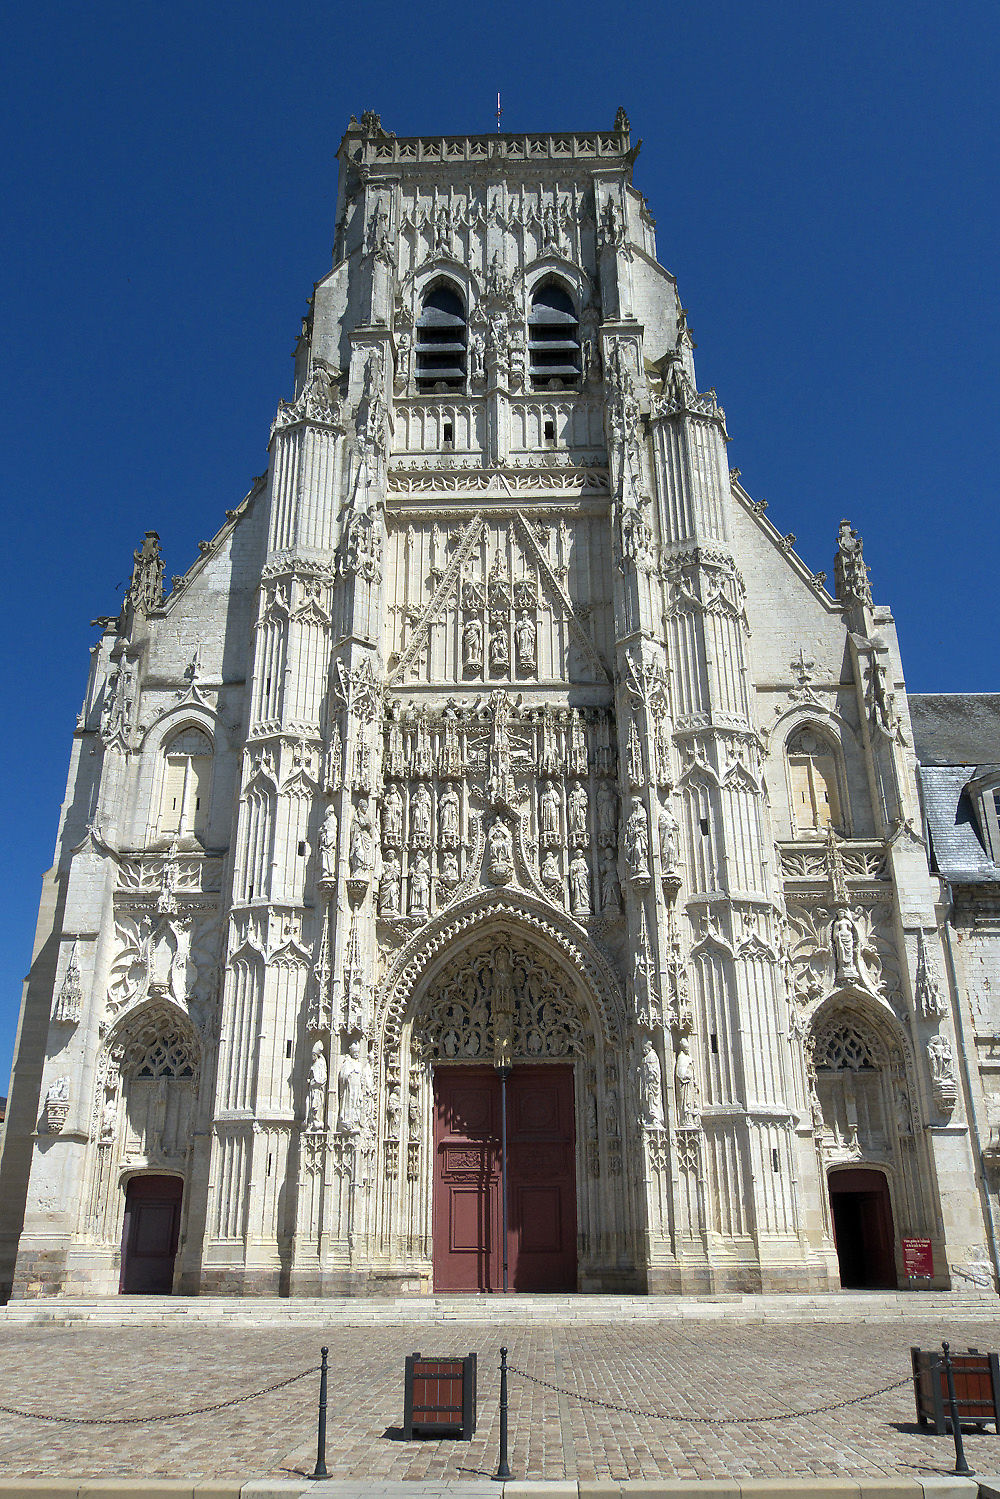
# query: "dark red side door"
{"points": [[149, 1238]]}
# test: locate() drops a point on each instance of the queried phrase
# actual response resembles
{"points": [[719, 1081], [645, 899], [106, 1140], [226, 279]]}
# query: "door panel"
{"points": [[468, 1205], [149, 1238]]}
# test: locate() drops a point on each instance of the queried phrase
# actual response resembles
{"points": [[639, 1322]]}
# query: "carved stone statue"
{"points": [[499, 650], [668, 840], [448, 817], [316, 1092], [501, 852], [392, 817], [551, 874], [393, 1114], [362, 850], [550, 811], [942, 1062], [388, 890], [472, 645], [611, 890], [844, 941], [420, 886], [579, 806], [328, 844], [524, 641], [637, 840], [607, 815], [579, 885], [651, 1087], [684, 1081], [350, 1090], [420, 817]]}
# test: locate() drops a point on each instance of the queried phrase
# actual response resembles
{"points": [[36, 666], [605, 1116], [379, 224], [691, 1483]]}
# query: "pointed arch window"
{"points": [[187, 781], [814, 782], [442, 341], [553, 338]]}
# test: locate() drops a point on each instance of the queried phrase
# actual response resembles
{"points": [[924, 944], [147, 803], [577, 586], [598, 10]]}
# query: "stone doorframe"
{"points": [[502, 976]]}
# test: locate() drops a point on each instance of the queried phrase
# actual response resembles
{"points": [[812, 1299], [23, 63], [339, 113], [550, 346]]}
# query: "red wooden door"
{"points": [[149, 1239], [468, 1208]]}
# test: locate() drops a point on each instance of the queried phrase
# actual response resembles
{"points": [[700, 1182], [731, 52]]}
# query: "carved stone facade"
{"points": [[475, 739]]}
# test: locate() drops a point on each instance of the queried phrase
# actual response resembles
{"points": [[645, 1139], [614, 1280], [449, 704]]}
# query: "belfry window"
{"points": [[812, 773], [442, 342], [186, 783], [553, 339]]}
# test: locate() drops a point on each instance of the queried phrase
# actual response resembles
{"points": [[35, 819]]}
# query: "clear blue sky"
{"points": [[825, 184]]}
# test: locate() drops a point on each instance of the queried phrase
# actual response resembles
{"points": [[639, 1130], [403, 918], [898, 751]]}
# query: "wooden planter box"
{"points": [[977, 1388], [439, 1398]]}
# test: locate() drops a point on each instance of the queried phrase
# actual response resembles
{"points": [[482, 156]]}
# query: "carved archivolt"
{"points": [[520, 917], [457, 1021]]}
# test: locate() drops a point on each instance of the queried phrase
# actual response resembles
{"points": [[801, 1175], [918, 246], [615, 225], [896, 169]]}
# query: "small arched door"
{"points": [[862, 1229], [150, 1235]]}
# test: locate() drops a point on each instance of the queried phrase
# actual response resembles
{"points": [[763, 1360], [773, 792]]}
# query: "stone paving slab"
{"points": [[652, 1377]]}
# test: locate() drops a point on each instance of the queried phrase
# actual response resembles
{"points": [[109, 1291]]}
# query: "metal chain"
{"points": [[198, 1410], [720, 1420]]}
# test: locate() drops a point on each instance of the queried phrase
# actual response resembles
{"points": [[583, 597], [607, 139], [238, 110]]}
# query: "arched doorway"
{"points": [[150, 1235], [508, 990], [863, 1229]]}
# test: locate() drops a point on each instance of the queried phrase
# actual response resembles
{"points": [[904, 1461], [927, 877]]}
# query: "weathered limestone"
{"points": [[496, 727]]}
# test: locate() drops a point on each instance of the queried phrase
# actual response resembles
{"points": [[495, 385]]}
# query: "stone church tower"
{"points": [[497, 738]]}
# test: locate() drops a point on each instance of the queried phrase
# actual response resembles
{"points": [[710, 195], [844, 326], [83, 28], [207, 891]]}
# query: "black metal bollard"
{"points": [[503, 1469], [961, 1466], [320, 1470]]}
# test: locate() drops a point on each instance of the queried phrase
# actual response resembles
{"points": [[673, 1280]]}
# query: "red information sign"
{"points": [[918, 1261]]}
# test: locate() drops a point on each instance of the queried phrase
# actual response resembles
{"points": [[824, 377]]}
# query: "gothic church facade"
{"points": [[496, 752]]}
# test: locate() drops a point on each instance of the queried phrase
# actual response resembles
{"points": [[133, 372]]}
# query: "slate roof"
{"points": [[956, 736]]}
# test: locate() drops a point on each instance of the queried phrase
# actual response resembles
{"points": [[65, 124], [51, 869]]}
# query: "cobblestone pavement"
{"points": [[656, 1369]]}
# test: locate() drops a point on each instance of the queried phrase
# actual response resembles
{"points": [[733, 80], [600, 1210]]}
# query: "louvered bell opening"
{"points": [[441, 343], [553, 340]]}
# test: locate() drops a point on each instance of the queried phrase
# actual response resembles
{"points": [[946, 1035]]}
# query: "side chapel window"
{"points": [[186, 783], [812, 773], [442, 341], [553, 338]]}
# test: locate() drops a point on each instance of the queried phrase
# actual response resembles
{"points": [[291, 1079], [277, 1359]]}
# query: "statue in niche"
{"points": [[579, 759], [362, 849], [607, 815], [449, 869], [316, 1091], [448, 817], [393, 1114], [550, 810], [844, 942], [637, 840], [524, 642], [350, 1090], [669, 853], [328, 844], [420, 886], [413, 1118], [501, 852], [477, 349], [499, 651], [611, 890], [684, 1080], [388, 890], [551, 874], [579, 806], [109, 1116], [651, 1087], [472, 645], [942, 1062], [392, 817], [420, 817], [579, 885]]}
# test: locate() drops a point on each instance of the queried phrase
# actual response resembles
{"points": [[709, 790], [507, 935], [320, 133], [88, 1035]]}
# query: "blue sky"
{"points": [[825, 184]]}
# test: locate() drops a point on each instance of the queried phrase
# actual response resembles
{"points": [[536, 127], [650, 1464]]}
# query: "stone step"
{"points": [[357, 1311]]}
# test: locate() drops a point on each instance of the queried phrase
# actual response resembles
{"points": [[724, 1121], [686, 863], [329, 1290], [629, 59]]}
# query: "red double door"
{"points": [[541, 1180]]}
